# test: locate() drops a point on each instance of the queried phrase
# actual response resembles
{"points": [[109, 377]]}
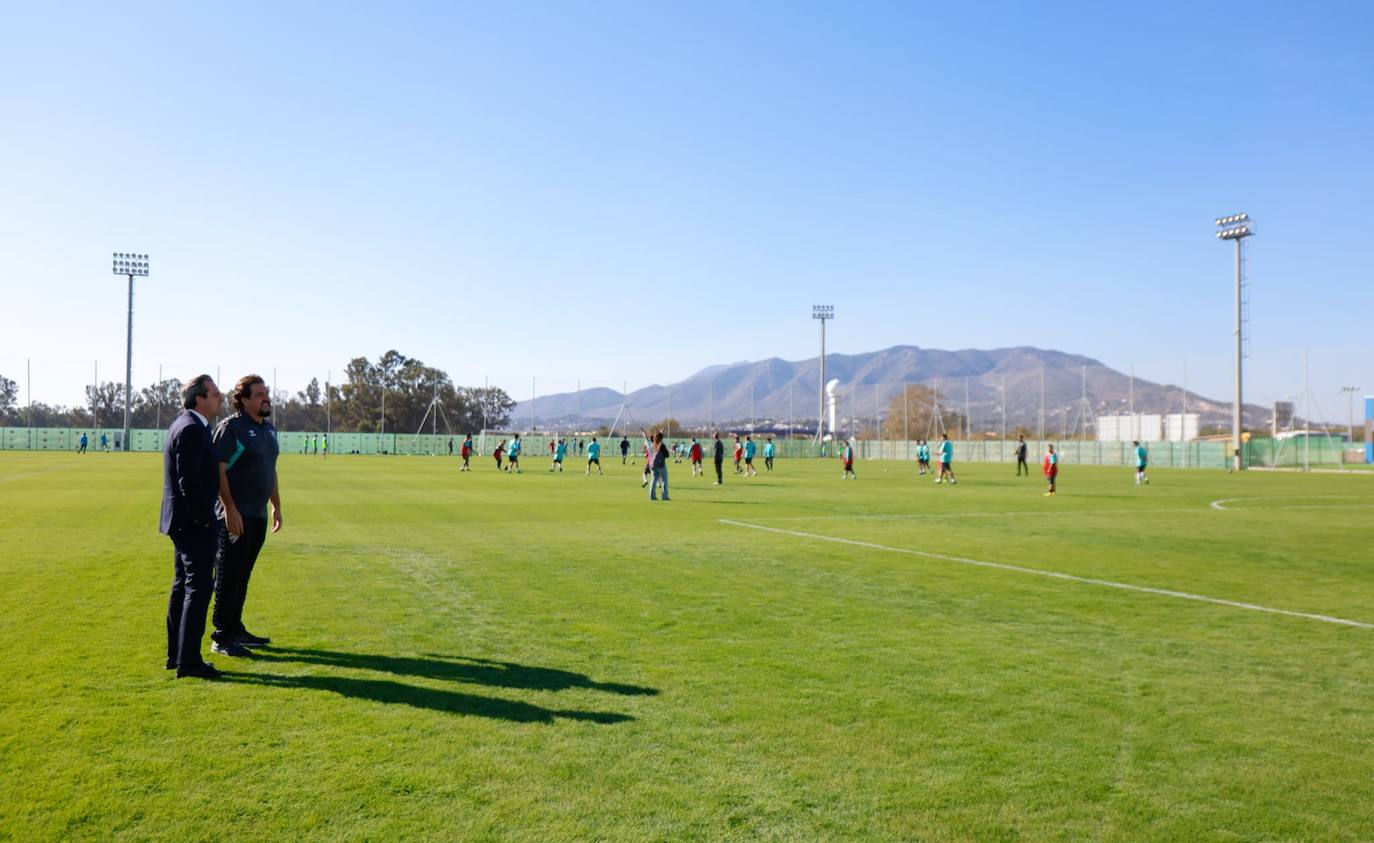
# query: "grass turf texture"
{"points": [[542, 657]]}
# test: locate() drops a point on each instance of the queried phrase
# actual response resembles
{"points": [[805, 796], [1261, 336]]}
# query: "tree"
{"points": [[157, 404], [9, 398], [488, 407], [106, 403], [911, 412], [303, 411], [670, 427]]}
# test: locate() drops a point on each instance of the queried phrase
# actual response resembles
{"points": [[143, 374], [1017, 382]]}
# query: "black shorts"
{"points": [[748, 460], [594, 461]]}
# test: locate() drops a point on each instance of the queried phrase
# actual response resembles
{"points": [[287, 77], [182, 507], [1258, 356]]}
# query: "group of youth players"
{"points": [[1049, 463], [657, 452]]}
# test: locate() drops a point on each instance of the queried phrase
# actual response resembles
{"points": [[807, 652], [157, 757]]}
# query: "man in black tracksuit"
{"points": [[719, 456], [1021, 456], [246, 449]]}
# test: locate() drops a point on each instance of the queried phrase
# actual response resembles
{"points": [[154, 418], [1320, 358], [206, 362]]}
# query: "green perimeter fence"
{"points": [[1198, 454]]}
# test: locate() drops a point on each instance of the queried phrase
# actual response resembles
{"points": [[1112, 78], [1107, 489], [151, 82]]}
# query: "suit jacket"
{"points": [[190, 476]]}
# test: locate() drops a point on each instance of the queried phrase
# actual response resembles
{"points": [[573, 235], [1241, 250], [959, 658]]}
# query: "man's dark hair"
{"points": [[198, 387], [244, 388]]}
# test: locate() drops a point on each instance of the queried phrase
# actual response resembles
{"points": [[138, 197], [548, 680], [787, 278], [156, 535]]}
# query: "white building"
{"points": [[1148, 427], [1145, 427], [1181, 427]]}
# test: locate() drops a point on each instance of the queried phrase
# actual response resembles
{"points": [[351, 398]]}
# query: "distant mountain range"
{"points": [[772, 391]]}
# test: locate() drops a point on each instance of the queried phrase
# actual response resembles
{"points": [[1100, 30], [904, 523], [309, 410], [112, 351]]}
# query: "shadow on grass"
{"points": [[478, 671], [386, 691]]}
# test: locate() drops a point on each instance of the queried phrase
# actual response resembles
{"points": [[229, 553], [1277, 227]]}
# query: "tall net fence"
{"points": [[399, 406]]}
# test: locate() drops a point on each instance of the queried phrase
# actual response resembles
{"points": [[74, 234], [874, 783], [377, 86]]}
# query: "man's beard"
{"points": [[265, 410]]}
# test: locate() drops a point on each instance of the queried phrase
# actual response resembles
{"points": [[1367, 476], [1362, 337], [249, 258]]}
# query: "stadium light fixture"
{"points": [[1237, 227], [822, 313], [130, 264]]}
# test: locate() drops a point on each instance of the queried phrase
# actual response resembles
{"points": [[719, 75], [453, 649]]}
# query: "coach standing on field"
{"points": [[245, 446], [189, 483]]}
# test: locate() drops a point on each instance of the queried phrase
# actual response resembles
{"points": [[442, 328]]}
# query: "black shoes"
{"points": [[171, 664], [204, 670], [230, 648], [248, 639]]}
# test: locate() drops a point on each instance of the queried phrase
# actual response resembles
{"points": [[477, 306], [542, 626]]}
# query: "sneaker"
{"points": [[230, 648]]}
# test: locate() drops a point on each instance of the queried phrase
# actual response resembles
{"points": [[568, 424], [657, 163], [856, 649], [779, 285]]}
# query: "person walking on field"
{"points": [[648, 459], [624, 449], [84, 442], [1050, 465], [694, 456], [847, 456], [1142, 462], [466, 452], [750, 448], [594, 457], [513, 456], [499, 453], [768, 454], [718, 456], [739, 453], [1022, 451], [560, 451], [659, 462], [946, 460]]}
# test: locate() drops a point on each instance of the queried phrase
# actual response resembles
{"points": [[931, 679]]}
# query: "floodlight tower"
{"points": [[822, 313], [1237, 227], [124, 263]]}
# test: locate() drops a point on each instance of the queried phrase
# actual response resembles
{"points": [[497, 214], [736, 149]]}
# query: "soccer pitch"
{"points": [[788, 657]]}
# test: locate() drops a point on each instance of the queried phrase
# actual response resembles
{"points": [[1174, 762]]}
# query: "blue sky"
{"points": [[630, 192]]}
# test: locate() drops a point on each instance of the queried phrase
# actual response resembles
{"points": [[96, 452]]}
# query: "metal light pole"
{"points": [[822, 313], [1350, 392], [1237, 227], [124, 263]]}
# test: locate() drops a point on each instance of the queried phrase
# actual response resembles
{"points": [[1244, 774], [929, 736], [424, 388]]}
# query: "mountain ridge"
{"points": [[775, 391]]}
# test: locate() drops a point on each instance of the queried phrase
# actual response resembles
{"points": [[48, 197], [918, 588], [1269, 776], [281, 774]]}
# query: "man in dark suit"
{"points": [[190, 484]]}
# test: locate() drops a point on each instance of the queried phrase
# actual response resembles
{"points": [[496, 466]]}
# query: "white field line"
{"points": [[1220, 503], [1002, 566], [1041, 513], [943, 515], [22, 474]]}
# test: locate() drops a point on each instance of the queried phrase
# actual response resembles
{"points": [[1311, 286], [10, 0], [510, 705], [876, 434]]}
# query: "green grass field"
{"points": [[544, 657]]}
